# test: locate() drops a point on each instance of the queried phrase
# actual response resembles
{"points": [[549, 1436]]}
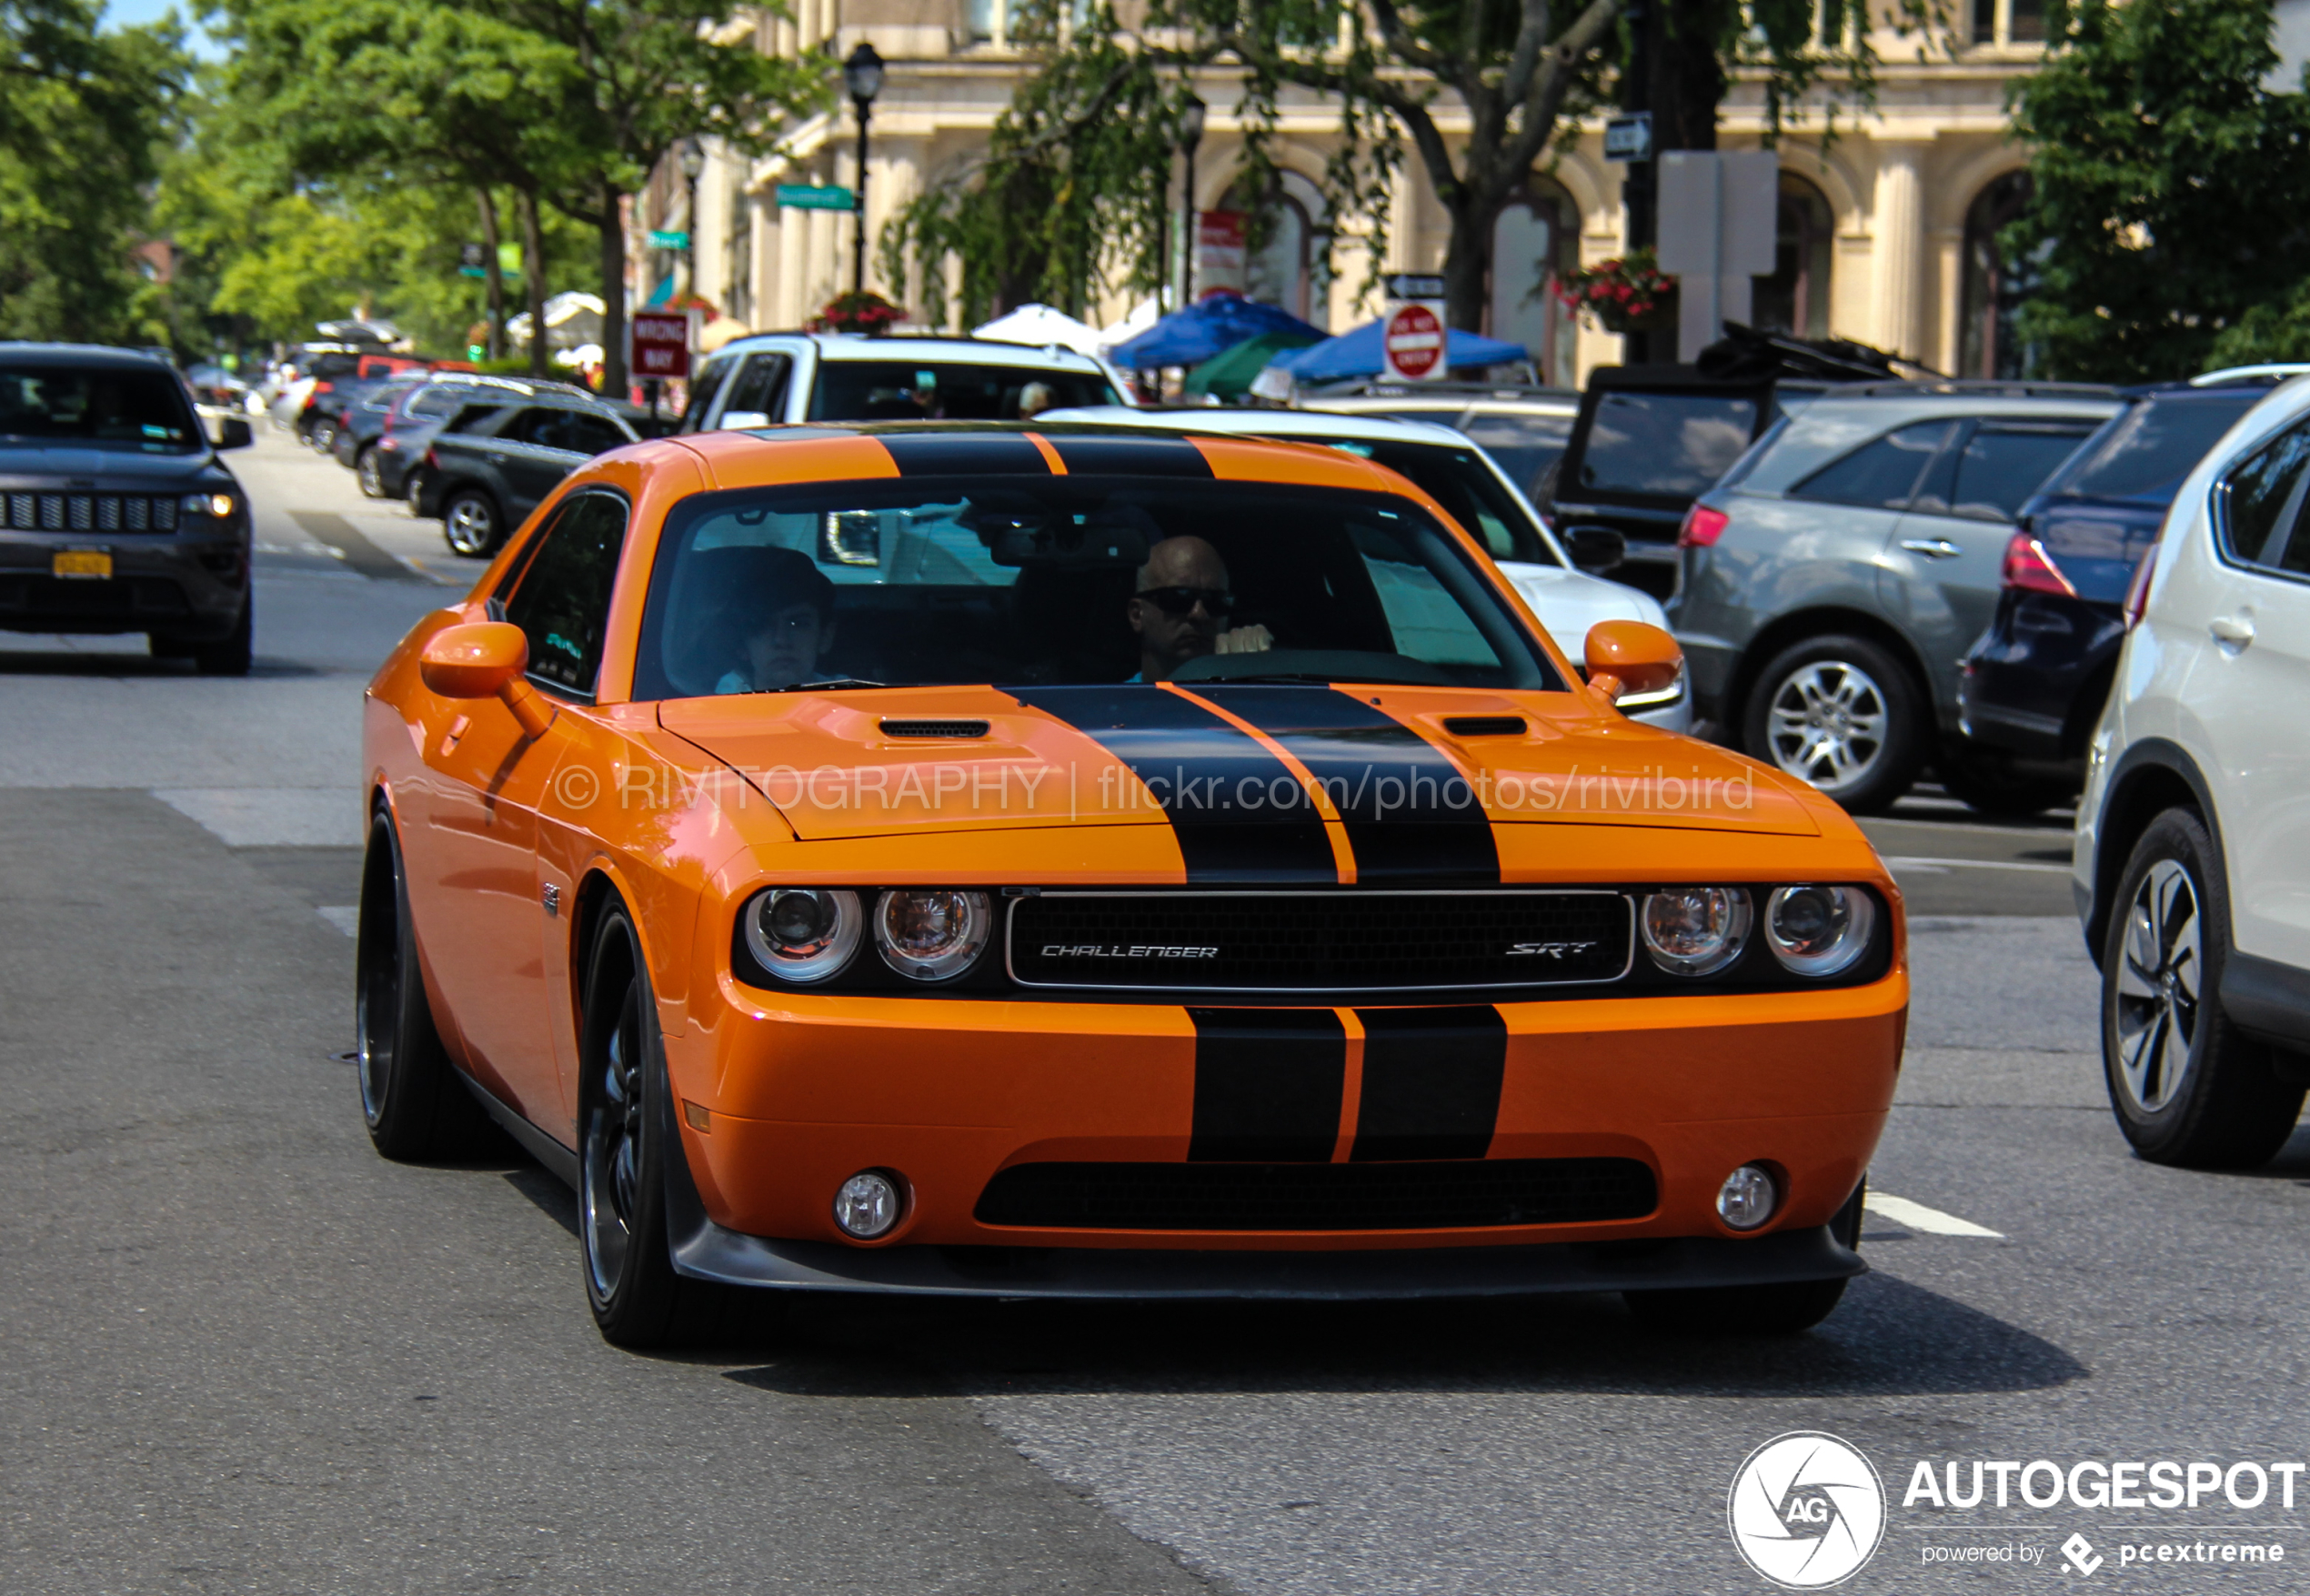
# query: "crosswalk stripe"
{"points": [[1918, 1216]]}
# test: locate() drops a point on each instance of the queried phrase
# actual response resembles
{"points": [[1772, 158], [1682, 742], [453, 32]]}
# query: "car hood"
{"points": [[1230, 764], [115, 468], [1569, 602]]}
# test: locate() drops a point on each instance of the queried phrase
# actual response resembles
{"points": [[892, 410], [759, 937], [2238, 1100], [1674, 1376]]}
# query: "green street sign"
{"points": [[661, 239], [807, 197]]}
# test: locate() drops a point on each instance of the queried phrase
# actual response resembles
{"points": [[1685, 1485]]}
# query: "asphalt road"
{"points": [[243, 1353]]}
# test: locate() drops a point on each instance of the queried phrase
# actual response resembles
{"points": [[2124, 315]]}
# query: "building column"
{"points": [[1899, 255]]}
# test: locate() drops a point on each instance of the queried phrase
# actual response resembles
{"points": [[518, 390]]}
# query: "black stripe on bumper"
{"points": [[1193, 761], [1430, 1083], [1410, 815], [1267, 1084]]}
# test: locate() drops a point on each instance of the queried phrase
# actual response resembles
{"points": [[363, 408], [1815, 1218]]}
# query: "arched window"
{"points": [[1535, 236], [1795, 298], [1996, 284], [1291, 268]]}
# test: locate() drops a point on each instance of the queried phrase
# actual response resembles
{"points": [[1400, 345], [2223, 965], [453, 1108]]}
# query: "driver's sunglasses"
{"points": [[1216, 601]]}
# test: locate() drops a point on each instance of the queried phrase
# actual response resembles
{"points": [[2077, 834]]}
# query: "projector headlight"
{"points": [[1819, 930], [803, 933], [932, 934], [1696, 930], [219, 504]]}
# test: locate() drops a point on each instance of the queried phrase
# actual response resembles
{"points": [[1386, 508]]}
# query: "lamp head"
{"points": [[692, 156], [1190, 121], [862, 73]]}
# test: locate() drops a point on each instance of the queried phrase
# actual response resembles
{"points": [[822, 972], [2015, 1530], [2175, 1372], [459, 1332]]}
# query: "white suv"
{"points": [[2192, 856], [772, 378]]}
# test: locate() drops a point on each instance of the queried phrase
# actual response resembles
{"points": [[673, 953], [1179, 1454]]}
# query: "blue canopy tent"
{"points": [[1357, 354], [1208, 327]]}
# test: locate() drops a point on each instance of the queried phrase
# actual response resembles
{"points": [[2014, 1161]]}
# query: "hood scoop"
{"points": [[951, 729]]}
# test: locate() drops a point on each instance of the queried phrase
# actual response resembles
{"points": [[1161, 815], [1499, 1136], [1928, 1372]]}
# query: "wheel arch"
{"points": [[2152, 777], [1788, 630]]}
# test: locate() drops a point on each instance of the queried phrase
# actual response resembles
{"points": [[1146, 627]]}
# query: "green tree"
{"points": [[2169, 191]]}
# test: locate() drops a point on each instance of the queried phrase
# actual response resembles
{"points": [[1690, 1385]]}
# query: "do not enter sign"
{"points": [[1413, 343]]}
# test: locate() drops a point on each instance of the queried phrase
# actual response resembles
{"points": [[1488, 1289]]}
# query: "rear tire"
{"points": [[411, 1098], [368, 474], [2188, 1086], [471, 523], [1783, 1308], [1842, 713]]}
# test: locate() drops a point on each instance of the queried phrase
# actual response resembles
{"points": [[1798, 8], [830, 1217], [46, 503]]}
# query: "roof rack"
{"points": [[1980, 387], [1370, 387], [2269, 371]]}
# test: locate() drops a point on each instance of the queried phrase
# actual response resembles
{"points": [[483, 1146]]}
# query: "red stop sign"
{"points": [[1413, 342]]}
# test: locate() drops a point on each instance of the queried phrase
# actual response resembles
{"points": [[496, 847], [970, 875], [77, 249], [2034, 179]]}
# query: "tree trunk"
{"points": [[612, 227], [533, 274], [495, 343], [1467, 268]]}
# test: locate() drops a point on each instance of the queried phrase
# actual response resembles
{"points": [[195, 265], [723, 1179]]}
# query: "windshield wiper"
{"points": [[836, 685]]}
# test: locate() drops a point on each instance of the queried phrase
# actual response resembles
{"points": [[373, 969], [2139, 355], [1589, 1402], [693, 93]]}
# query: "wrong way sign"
{"points": [[1411, 342]]}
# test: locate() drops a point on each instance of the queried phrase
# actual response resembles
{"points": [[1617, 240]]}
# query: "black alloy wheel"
{"points": [[2187, 1086], [1782, 1307], [415, 1107]]}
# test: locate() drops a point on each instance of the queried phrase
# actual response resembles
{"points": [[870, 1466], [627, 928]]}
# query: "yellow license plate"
{"points": [[80, 562]]}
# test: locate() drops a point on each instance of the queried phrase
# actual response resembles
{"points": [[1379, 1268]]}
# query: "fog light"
{"points": [[1696, 930], [932, 935], [1747, 1198], [867, 1205]]}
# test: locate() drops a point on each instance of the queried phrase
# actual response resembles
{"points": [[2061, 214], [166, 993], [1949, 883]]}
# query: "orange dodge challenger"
{"points": [[939, 858]]}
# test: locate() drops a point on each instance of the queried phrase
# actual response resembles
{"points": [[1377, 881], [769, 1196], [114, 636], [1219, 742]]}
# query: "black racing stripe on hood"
{"points": [[1430, 1083], [1198, 766], [964, 454], [1267, 1084], [1410, 815], [1129, 456]]}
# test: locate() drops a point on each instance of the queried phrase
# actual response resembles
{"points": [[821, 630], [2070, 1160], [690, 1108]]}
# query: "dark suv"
{"points": [[116, 514], [2032, 687], [500, 455]]}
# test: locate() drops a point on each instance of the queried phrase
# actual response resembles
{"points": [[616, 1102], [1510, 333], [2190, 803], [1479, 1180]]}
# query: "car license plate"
{"points": [[80, 562]]}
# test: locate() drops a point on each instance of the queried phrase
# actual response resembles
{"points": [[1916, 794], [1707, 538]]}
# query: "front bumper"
{"points": [[188, 585]]}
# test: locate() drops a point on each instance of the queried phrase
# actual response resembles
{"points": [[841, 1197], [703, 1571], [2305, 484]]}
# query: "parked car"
{"points": [[1523, 430], [361, 420], [2192, 851], [1833, 579], [1474, 489], [395, 460], [2032, 687], [500, 455], [848, 377], [116, 514], [946, 914]]}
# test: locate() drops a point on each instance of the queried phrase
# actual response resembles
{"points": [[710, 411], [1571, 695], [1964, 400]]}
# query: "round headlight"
{"points": [[1747, 1198], [803, 933], [932, 934], [1819, 930], [1696, 930]]}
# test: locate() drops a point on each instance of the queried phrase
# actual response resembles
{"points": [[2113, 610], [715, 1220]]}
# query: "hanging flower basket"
{"points": [[1628, 294], [863, 312]]}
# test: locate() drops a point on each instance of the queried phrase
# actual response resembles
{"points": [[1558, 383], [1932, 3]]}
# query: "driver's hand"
{"points": [[1253, 639]]}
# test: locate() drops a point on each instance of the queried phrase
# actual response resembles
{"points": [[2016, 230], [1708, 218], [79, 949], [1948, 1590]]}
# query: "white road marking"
{"points": [[1915, 861], [1918, 1216], [345, 917]]}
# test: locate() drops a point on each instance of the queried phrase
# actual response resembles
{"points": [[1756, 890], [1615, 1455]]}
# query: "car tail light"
{"points": [[2029, 569], [431, 463], [1702, 526], [2137, 592], [325, 387]]}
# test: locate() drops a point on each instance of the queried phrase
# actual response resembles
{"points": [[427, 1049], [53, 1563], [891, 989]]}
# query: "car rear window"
{"points": [[2003, 463], [1526, 446], [1881, 474], [110, 406], [2145, 453], [1667, 445], [936, 390]]}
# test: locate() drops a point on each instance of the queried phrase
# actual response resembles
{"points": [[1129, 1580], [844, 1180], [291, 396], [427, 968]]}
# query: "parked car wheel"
{"points": [[414, 1104], [2188, 1086], [471, 523], [232, 655], [1842, 713], [1990, 787], [369, 474], [323, 436]]}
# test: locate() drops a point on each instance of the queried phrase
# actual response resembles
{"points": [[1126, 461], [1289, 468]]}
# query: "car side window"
{"points": [[2003, 464], [2262, 499], [573, 430], [702, 389], [1882, 475], [760, 388], [474, 418], [562, 603]]}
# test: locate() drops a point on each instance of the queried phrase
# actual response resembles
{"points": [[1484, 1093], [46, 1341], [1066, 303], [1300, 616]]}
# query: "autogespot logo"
{"points": [[1807, 1510]]}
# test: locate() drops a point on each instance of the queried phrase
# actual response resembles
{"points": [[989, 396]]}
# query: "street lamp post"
{"points": [[1190, 133], [862, 75], [692, 156]]}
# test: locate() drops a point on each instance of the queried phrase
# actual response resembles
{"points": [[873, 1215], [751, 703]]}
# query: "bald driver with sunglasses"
{"points": [[1181, 609]]}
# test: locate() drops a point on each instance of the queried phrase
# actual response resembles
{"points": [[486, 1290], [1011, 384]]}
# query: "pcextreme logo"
{"points": [[1806, 1510]]}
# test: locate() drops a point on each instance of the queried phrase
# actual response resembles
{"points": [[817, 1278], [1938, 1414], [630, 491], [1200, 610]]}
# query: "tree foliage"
{"points": [[2170, 192]]}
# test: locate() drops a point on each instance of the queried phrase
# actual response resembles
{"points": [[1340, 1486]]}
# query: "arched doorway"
{"points": [[1290, 266], [1997, 282], [1795, 298], [1535, 236]]}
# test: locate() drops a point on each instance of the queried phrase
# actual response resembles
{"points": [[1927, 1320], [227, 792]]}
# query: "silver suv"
{"points": [[1830, 583]]}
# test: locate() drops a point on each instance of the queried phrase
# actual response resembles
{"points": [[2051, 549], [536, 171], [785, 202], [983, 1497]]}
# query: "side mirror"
{"points": [[1595, 549], [486, 660], [1632, 657], [233, 433]]}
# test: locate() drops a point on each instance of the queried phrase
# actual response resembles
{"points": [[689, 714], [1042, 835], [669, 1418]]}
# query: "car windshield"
{"points": [[1036, 580], [938, 390], [1461, 482], [1525, 445], [2146, 452], [106, 406], [1670, 445]]}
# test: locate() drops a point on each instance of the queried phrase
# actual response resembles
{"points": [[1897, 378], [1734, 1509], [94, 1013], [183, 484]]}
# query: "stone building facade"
{"points": [[1883, 226]]}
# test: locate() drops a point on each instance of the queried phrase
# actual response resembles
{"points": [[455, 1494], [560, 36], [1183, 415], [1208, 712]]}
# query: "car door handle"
{"points": [[1931, 547], [2236, 630]]}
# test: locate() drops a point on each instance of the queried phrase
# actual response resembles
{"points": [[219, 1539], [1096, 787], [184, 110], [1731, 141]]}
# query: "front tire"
{"points": [[2187, 1086], [472, 525], [1842, 713], [411, 1098]]}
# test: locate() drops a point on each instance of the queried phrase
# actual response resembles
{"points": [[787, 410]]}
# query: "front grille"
{"points": [[1319, 941], [86, 512], [1469, 1193]]}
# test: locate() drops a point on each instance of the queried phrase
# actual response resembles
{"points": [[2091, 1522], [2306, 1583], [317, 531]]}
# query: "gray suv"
{"points": [[1830, 582]]}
